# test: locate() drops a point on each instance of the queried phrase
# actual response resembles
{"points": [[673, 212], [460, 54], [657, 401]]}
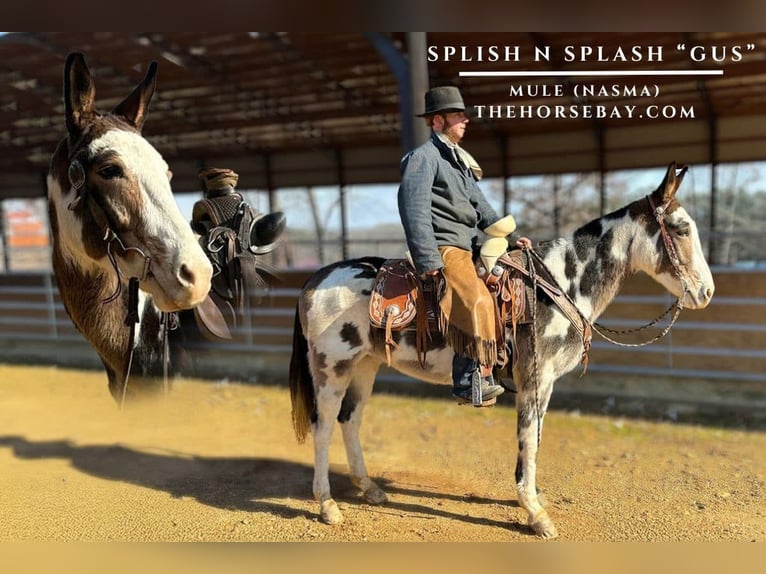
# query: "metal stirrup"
{"points": [[476, 381]]}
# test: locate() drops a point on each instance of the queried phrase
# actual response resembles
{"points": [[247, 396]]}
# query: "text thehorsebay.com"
{"points": [[597, 93]]}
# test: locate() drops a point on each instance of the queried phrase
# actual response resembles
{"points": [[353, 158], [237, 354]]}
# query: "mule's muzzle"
{"points": [[194, 282], [706, 295], [699, 298], [181, 286]]}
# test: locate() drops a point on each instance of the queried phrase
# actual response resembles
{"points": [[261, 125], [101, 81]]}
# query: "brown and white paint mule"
{"points": [[113, 217]]}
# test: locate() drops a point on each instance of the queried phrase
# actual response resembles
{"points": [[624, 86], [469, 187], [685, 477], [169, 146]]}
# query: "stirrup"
{"points": [[481, 393]]}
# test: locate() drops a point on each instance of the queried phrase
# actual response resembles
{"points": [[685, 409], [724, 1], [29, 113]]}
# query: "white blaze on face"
{"points": [[161, 217], [700, 270], [180, 271]]}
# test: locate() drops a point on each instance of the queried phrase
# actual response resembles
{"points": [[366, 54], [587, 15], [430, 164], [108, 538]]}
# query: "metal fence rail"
{"points": [[725, 341]]}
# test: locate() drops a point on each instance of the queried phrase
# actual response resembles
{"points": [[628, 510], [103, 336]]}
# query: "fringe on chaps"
{"points": [[467, 318]]}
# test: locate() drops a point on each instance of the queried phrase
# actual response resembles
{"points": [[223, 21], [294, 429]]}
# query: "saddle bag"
{"points": [[398, 299]]}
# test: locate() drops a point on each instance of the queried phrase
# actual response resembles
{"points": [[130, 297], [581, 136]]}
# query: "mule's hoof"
{"points": [[374, 495], [331, 513], [543, 526]]}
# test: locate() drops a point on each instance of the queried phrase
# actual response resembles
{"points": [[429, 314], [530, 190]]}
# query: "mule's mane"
{"points": [[592, 264]]}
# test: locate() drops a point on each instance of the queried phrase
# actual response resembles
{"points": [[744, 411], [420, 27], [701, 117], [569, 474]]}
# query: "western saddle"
{"points": [[400, 300], [232, 234]]}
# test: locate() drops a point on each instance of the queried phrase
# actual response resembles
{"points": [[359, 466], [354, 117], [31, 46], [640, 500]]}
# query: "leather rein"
{"points": [[675, 261], [168, 322], [659, 215]]}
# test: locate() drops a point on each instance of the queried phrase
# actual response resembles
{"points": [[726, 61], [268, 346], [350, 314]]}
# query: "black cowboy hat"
{"points": [[443, 99]]}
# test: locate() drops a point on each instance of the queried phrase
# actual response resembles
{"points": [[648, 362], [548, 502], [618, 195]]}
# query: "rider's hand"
{"points": [[524, 243]]}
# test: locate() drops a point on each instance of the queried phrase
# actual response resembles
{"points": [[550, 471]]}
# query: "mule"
{"points": [[336, 356], [127, 264]]}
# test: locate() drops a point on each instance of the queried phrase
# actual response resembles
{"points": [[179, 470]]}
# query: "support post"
{"points": [[411, 73], [713, 239], [506, 175], [342, 199], [601, 170]]}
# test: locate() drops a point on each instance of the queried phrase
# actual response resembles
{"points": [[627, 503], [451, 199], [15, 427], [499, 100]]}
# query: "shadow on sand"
{"points": [[240, 484]]}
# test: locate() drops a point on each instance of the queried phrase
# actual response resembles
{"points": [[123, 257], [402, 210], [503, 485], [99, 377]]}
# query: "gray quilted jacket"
{"points": [[440, 203]]}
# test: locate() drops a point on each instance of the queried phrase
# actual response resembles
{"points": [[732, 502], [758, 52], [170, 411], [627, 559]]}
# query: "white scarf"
{"points": [[465, 157]]}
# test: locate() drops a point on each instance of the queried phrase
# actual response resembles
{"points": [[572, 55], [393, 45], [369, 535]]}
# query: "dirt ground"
{"points": [[217, 461]]}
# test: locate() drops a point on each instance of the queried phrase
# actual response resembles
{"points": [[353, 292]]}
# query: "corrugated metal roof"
{"points": [[289, 109]]}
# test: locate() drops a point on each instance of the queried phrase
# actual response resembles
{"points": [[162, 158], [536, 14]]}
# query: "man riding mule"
{"points": [[441, 207], [570, 283]]}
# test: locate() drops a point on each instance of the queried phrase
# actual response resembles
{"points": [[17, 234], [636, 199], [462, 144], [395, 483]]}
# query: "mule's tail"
{"points": [[301, 383]]}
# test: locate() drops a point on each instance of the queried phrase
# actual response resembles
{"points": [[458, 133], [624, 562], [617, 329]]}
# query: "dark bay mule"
{"points": [[335, 358], [114, 219]]}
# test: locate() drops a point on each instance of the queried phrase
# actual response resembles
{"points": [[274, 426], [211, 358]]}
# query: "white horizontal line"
{"points": [[529, 73]]}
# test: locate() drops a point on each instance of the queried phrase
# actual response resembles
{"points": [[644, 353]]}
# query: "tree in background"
{"points": [[741, 216], [551, 206]]}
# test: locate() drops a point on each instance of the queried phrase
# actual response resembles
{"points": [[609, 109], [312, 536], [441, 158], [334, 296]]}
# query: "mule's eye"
{"points": [[110, 171], [682, 230]]}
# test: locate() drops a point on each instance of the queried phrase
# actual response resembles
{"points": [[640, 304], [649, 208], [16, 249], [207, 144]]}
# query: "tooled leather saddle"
{"points": [[232, 234], [400, 301], [512, 280]]}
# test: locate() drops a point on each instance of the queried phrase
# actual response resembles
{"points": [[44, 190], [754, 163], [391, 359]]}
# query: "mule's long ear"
{"points": [[134, 107], [79, 94], [672, 182]]}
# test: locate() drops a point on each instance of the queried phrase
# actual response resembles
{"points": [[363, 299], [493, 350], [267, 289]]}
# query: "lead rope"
{"points": [[131, 320], [677, 306], [166, 327]]}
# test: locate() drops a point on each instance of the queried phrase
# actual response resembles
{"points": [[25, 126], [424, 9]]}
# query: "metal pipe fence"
{"points": [[725, 341]]}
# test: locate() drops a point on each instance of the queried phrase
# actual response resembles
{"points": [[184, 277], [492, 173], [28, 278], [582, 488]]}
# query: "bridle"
{"points": [[659, 214], [76, 174], [168, 321], [670, 248]]}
